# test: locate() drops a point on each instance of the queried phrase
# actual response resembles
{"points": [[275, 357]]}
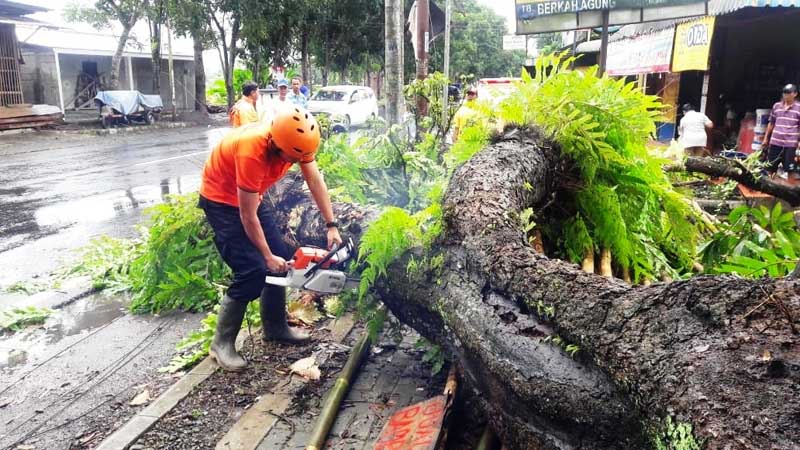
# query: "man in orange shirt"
{"points": [[244, 111], [238, 172]]}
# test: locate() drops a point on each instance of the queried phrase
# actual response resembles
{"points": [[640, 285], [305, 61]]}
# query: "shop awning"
{"points": [[719, 7]]}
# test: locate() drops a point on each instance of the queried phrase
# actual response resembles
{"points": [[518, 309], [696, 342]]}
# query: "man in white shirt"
{"points": [[693, 131]]}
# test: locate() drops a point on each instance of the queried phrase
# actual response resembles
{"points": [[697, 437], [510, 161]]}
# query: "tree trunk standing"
{"points": [[199, 76], [423, 28], [304, 62], [155, 52], [235, 28], [113, 81], [393, 30], [326, 69], [719, 352]]}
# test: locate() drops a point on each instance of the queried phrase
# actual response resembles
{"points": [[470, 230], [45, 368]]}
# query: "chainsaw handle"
{"points": [[322, 261]]}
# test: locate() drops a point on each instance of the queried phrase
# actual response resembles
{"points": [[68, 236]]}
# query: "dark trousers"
{"points": [[247, 263], [778, 155]]}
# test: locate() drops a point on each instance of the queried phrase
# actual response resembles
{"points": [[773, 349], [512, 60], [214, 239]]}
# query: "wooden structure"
{"points": [[10, 83], [14, 112]]}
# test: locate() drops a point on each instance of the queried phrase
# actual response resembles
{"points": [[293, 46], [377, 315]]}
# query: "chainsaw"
{"points": [[315, 269]]}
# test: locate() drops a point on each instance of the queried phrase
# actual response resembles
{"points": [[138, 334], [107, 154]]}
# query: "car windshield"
{"points": [[329, 95]]}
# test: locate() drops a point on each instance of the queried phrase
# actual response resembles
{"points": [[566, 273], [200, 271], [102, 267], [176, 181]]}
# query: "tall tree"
{"points": [[126, 12], [156, 16], [476, 44], [224, 19], [188, 18], [393, 10]]}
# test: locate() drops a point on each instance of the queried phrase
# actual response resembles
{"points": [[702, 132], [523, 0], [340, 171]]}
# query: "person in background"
{"points": [[783, 132], [692, 131], [297, 97], [465, 113], [244, 111]]}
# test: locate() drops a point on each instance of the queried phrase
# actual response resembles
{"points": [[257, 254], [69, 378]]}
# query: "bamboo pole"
{"points": [[333, 399]]}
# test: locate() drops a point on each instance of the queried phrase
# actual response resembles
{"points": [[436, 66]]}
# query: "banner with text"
{"points": [[649, 53], [693, 45]]}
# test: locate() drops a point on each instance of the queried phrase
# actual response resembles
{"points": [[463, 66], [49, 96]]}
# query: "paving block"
{"points": [[254, 424], [276, 437], [173, 395]]}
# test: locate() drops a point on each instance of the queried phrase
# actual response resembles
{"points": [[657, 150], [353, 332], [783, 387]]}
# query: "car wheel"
{"points": [[347, 121], [149, 118]]}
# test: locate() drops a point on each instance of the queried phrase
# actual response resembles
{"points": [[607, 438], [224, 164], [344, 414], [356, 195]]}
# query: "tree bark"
{"points": [[155, 54], [199, 76], [113, 81], [304, 62], [393, 30], [721, 353], [735, 170]]}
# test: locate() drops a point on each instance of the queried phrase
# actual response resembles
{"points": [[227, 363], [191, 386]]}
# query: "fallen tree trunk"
{"points": [[719, 352], [735, 170]]}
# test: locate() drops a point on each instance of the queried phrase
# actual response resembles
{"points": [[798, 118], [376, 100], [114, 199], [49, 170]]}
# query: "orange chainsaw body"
{"points": [[309, 255]]}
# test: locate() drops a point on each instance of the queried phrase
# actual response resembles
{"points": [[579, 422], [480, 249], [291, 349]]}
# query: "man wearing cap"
{"points": [[244, 111], [783, 132], [247, 162]]}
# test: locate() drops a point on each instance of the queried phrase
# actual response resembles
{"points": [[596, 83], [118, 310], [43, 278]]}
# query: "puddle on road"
{"points": [[100, 208], [81, 317]]}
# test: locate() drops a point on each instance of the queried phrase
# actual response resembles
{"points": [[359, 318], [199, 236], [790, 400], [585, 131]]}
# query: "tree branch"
{"points": [[736, 171]]}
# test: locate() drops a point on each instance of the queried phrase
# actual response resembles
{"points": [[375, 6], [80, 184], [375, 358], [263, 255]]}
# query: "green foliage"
{"points": [[216, 94], [15, 319], [558, 341], [174, 266], [476, 44], [432, 90], [26, 287], [433, 355], [675, 436], [615, 193], [754, 242]]}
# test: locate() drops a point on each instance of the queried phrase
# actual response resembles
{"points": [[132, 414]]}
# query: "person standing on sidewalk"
{"points": [[238, 172], [244, 111], [692, 131], [783, 132]]}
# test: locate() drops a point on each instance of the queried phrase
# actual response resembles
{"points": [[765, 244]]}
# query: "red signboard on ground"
{"points": [[415, 427]]}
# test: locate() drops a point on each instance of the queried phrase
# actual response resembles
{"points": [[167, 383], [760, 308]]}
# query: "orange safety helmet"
{"points": [[296, 132]]}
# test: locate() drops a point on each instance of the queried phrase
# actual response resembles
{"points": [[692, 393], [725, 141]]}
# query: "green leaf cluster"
{"points": [[754, 242], [173, 266], [15, 319], [614, 194]]}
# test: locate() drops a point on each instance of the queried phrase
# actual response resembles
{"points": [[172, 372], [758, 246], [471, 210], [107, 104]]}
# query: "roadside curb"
{"points": [[72, 290], [126, 130], [140, 423]]}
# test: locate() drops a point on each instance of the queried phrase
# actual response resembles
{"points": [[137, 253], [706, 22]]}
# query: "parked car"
{"points": [[355, 104], [496, 89]]}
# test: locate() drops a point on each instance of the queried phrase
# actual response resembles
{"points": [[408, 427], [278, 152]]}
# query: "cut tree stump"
{"points": [[721, 353]]}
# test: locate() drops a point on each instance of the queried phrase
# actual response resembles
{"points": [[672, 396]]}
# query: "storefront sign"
{"points": [[693, 45], [541, 16], [514, 42], [649, 53]]}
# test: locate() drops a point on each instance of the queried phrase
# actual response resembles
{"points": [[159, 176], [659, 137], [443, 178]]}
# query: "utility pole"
{"points": [[423, 39], [604, 43], [445, 111], [171, 71]]}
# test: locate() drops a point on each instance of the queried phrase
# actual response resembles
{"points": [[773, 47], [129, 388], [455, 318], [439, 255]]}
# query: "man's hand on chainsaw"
{"points": [[333, 237], [276, 264]]}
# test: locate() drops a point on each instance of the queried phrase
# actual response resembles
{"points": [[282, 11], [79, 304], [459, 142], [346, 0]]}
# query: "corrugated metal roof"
{"points": [[719, 7]]}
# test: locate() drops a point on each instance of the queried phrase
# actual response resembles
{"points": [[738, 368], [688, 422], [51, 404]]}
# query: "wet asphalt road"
{"points": [[72, 378], [58, 192]]}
